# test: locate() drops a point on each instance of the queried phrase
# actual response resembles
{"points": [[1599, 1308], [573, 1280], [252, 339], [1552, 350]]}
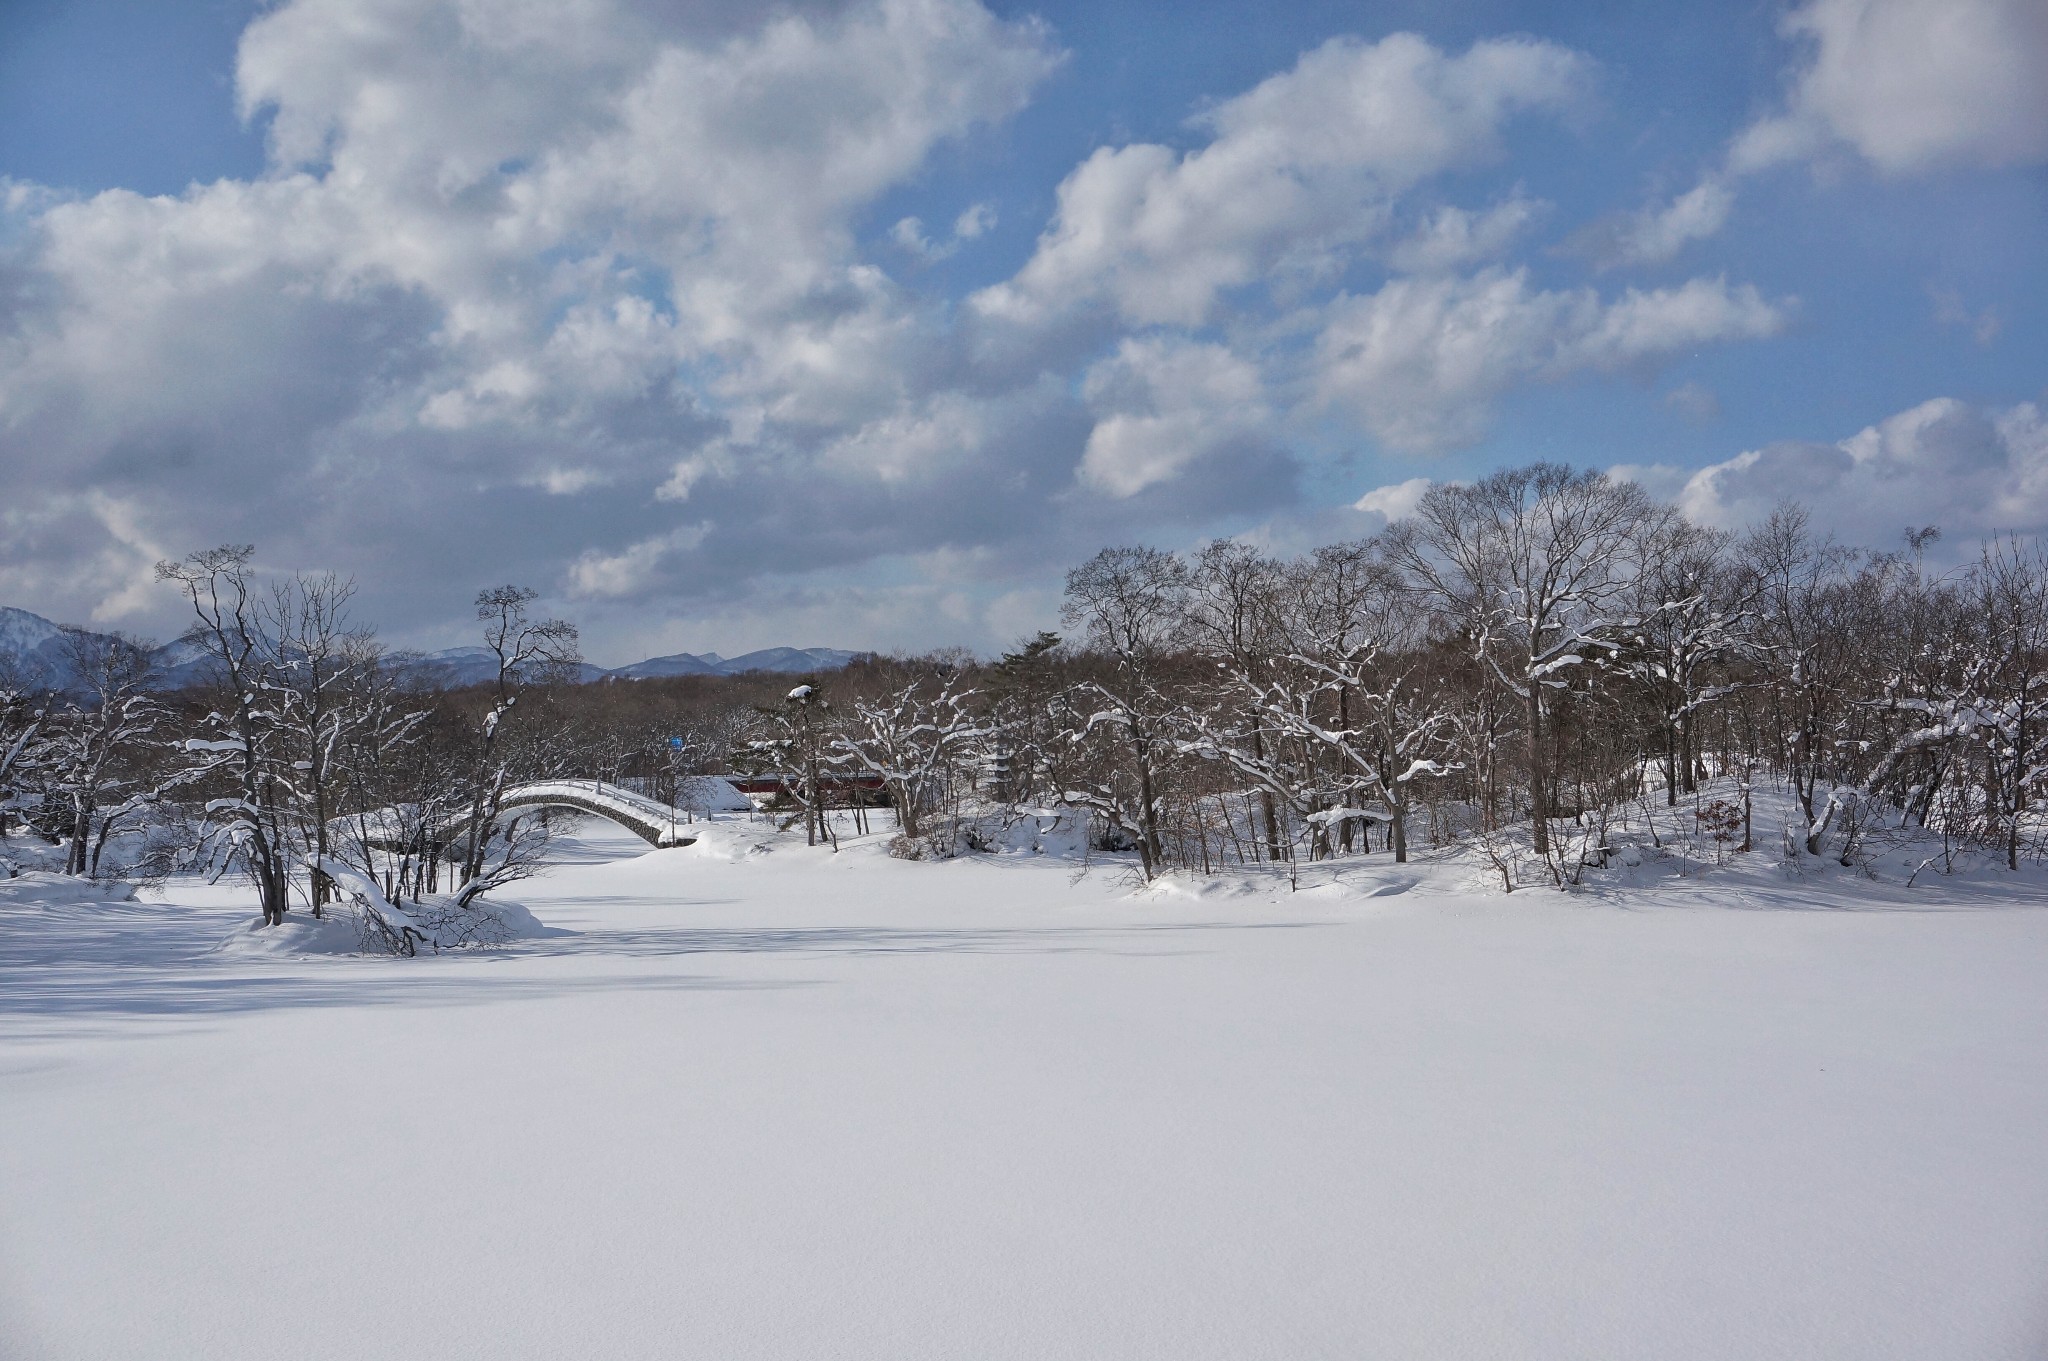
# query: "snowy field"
{"points": [[796, 1105]]}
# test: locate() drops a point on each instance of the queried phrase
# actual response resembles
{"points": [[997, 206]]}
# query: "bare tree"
{"points": [[1808, 646], [913, 739], [323, 668], [23, 713], [1534, 565], [1693, 607], [2011, 584], [1130, 603], [219, 583], [95, 759], [1233, 601], [525, 649]]}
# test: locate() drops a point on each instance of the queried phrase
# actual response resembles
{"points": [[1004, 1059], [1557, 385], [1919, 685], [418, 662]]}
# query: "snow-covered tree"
{"points": [[1694, 613], [250, 823], [1350, 722], [525, 650], [1130, 604], [1234, 601], [95, 760], [792, 742], [1534, 565], [1811, 645], [916, 739], [321, 687], [23, 713]]}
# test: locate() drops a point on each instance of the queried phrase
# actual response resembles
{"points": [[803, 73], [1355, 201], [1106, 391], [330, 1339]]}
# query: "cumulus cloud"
{"points": [[1912, 85], [586, 294], [972, 223], [1420, 361], [1454, 238], [1163, 405], [1909, 86], [1949, 310], [1971, 470], [505, 254], [1396, 501], [1654, 234], [1298, 171]]}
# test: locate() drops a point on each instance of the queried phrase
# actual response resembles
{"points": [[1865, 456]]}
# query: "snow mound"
{"points": [[37, 889], [1062, 833], [713, 794], [517, 923], [1185, 886], [734, 840], [298, 935], [343, 932]]}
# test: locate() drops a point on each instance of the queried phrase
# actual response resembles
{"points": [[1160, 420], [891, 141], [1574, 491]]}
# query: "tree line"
{"points": [[1512, 664]]}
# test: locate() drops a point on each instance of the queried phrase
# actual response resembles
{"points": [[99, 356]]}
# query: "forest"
{"points": [[1515, 665]]}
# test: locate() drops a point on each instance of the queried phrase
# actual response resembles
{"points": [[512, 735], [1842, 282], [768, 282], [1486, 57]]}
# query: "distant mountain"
{"points": [[678, 664], [790, 659], [32, 648], [785, 659], [179, 664], [454, 667]]}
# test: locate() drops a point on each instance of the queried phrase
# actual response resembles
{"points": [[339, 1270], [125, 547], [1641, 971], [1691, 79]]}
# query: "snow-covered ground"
{"points": [[782, 1103]]}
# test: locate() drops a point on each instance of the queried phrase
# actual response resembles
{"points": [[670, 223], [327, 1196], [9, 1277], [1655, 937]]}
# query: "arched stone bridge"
{"points": [[652, 821]]}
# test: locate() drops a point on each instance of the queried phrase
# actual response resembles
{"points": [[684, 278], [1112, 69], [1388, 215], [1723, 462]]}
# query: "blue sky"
{"points": [[856, 325]]}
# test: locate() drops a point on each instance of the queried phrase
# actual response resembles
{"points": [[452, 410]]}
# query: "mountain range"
{"points": [[33, 648]]}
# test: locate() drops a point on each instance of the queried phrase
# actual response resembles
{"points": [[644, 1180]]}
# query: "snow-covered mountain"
{"points": [[32, 648], [32, 654], [787, 659], [676, 664], [457, 666], [454, 667], [791, 659]]}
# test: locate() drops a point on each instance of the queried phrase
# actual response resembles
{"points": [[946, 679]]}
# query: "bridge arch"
{"points": [[654, 822]]}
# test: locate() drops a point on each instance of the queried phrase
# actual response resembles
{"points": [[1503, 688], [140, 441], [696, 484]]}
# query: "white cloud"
{"points": [[1949, 310], [1454, 238], [1164, 405], [973, 222], [1299, 172], [1396, 501], [1912, 86], [506, 251], [631, 571], [916, 440], [1655, 234], [1972, 470], [909, 234], [584, 293], [1420, 361]]}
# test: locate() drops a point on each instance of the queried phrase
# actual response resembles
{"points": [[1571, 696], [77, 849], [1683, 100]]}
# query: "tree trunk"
{"points": [[1148, 814], [1670, 763], [1539, 794], [2019, 784], [906, 813], [1266, 810], [1688, 752]]}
